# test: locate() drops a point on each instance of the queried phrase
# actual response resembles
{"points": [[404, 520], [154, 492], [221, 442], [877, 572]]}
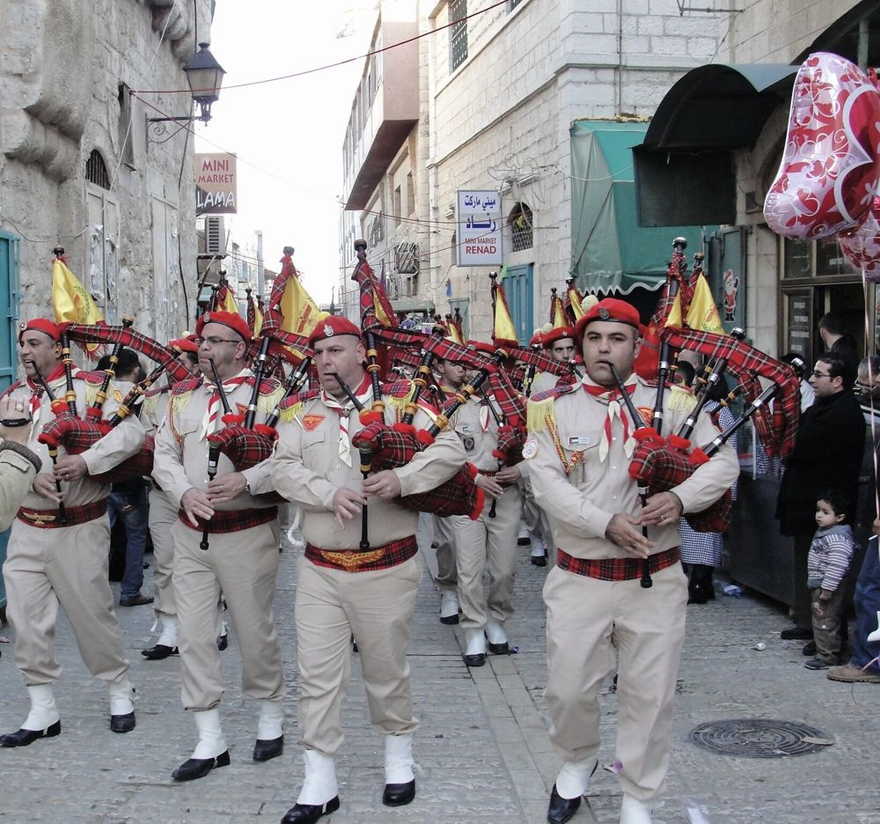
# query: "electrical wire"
{"points": [[338, 63]]}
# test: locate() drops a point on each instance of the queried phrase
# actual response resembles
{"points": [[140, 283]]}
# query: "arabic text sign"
{"points": [[216, 190], [478, 238]]}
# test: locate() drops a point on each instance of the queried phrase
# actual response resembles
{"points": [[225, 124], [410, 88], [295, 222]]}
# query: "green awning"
{"points": [[610, 252]]}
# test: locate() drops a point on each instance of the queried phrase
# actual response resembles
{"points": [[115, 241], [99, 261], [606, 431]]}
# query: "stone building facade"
{"points": [[81, 168], [499, 94]]}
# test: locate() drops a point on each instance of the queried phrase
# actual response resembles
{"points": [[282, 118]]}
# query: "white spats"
{"points": [[320, 784], [574, 778], [634, 812], [211, 741], [168, 634], [43, 711], [398, 759], [476, 642], [538, 549], [121, 696], [495, 633], [271, 723], [448, 604], [875, 635]]}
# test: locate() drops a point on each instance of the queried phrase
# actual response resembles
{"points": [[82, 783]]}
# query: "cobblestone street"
{"points": [[482, 749]]}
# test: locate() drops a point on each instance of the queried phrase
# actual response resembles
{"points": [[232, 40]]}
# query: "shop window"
{"points": [[521, 227]]}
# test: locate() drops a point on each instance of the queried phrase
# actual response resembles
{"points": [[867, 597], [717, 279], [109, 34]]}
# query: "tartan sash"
{"points": [[51, 518], [235, 520], [364, 560], [616, 569]]}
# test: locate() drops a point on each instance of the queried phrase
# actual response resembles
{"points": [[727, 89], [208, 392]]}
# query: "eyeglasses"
{"points": [[214, 341], [817, 374]]}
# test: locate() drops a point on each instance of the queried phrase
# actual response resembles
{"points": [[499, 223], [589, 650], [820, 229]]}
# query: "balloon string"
{"points": [[868, 339]]}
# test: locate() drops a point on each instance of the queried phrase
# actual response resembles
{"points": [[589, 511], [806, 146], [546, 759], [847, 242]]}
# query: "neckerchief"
{"points": [[344, 411], [212, 413], [611, 397], [37, 391]]}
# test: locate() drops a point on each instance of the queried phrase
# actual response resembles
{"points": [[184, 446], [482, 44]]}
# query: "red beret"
{"points": [[550, 337], [611, 309], [184, 344], [230, 319], [537, 339], [481, 346], [44, 325], [331, 326]]}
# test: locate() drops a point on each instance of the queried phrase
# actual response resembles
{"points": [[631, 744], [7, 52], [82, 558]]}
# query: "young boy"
{"points": [[827, 564]]}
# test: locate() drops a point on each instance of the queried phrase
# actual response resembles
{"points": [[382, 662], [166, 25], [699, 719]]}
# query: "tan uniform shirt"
{"points": [[18, 466], [120, 443], [477, 429], [308, 469], [154, 409], [580, 492], [181, 461]]}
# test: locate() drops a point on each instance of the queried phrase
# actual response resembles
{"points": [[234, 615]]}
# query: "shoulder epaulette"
{"points": [[182, 387], [540, 409], [680, 399], [291, 406]]}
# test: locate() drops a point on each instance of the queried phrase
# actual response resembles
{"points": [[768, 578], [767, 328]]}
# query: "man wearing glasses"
{"points": [[242, 556], [827, 455]]}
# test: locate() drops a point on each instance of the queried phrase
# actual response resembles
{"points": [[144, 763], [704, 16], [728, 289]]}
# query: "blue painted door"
{"points": [[518, 290], [8, 307]]}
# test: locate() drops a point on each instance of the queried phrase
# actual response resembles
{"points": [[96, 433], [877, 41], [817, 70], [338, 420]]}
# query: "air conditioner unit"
{"points": [[215, 235]]}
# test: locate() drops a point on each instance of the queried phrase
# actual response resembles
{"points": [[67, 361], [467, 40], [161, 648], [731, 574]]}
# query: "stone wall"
{"points": [[59, 101]]}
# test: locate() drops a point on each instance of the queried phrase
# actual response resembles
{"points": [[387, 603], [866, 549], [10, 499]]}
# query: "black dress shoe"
{"points": [[21, 738], [523, 541], [222, 641], [135, 600], [309, 813], [809, 648], [449, 619], [538, 560], [123, 723], [268, 748], [561, 809], [475, 660], [158, 652], [194, 768], [796, 634], [499, 649], [396, 795]]}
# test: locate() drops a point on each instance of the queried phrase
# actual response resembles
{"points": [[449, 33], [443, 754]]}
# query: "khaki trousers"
{"points": [[374, 606], [244, 566], [536, 520], [446, 565], [163, 515], [487, 545], [587, 620], [66, 566]]}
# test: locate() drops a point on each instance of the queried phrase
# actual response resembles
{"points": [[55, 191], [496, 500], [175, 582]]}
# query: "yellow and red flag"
{"points": [[557, 311], [503, 328], [701, 313], [71, 303]]}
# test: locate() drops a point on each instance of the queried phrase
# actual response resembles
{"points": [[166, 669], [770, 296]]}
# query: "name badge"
{"points": [[579, 441]]}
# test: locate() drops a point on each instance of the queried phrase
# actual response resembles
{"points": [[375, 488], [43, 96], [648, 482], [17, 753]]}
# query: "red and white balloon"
{"points": [[861, 245]]}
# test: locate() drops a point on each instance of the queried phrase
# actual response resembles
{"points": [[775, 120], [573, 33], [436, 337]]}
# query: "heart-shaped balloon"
{"points": [[829, 170], [861, 245]]}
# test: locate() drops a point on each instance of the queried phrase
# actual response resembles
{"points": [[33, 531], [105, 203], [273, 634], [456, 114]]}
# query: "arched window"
{"points": [[521, 227], [96, 170]]}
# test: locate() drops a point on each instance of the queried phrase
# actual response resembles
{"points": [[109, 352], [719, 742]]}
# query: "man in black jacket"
{"points": [[827, 455]]}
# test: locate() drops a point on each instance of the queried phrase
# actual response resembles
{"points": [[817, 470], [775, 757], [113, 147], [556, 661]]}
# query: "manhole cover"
{"points": [[759, 738]]}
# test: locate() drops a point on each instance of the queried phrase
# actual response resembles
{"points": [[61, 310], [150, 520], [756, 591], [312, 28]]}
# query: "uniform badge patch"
{"points": [[311, 422], [647, 414], [530, 449], [328, 330], [117, 396]]}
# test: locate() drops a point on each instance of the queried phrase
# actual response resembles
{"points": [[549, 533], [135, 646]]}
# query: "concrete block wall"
{"points": [[43, 197]]}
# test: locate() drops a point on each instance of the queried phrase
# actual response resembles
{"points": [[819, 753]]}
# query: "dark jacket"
{"points": [[827, 455]]}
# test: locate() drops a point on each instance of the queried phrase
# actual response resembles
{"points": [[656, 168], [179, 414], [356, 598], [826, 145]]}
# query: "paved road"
{"points": [[482, 750]]}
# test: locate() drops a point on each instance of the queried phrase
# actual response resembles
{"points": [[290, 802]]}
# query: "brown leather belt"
{"points": [[234, 520], [364, 560], [51, 518], [616, 569]]}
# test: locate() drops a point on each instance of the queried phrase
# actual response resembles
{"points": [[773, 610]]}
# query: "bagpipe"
{"points": [[76, 434], [660, 463]]}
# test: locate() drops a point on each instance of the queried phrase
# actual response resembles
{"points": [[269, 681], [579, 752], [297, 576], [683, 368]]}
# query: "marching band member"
{"points": [[54, 559], [560, 344], [242, 558], [488, 544], [343, 590], [578, 455], [163, 512], [18, 464]]}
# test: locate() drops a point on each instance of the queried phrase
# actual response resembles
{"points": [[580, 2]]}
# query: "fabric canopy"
{"points": [[611, 253]]}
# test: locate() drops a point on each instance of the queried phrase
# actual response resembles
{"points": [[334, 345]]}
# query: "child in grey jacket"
{"points": [[827, 565]]}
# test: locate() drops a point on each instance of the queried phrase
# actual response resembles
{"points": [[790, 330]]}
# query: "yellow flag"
{"points": [[557, 313], [503, 330], [229, 303], [674, 316], [702, 314], [574, 300], [301, 314], [71, 303], [258, 321]]}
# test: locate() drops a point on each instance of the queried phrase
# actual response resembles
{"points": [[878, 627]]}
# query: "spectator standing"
{"points": [[827, 453], [839, 342], [828, 562]]}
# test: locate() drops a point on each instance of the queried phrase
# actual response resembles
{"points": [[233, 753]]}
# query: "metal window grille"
{"points": [[522, 235], [512, 4], [96, 170], [458, 44]]}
